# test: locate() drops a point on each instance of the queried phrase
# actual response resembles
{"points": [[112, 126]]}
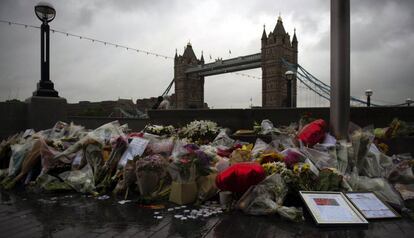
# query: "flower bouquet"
{"points": [[184, 171], [160, 130], [202, 131], [150, 171]]}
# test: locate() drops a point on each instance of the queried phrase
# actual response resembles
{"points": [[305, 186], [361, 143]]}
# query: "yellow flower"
{"points": [[305, 168], [248, 147], [296, 168]]}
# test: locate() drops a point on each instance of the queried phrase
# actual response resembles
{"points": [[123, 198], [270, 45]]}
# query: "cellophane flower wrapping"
{"points": [[150, 171], [80, 180], [267, 198]]}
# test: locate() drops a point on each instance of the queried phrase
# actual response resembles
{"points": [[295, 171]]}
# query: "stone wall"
{"points": [[244, 118], [95, 122], [13, 117]]}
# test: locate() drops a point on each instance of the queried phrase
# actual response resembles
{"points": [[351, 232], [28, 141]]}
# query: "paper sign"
{"points": [[136, 147]]}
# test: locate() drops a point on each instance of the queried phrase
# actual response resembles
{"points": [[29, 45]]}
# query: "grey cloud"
{"points": [[382, 31]]}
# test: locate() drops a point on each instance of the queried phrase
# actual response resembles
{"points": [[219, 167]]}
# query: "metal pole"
{"points": [[289, 93], [45, 87], [368, 101], [340, 67], [43, 52]]}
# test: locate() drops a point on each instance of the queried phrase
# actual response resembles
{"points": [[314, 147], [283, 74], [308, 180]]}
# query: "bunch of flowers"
{"points": [[274, 168], [200, 131], [159, 130], [155, 163], [194, 159], [270, 157]]}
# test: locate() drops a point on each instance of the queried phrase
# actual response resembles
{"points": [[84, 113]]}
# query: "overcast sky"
{"points": [[382, 41]]}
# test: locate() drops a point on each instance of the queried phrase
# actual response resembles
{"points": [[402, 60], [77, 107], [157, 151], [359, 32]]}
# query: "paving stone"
{"points": [[87, 217]]}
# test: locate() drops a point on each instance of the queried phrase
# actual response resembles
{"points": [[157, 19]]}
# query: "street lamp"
{"points": [[289, 78], [46, 13], [408, 101], [368, 93]]}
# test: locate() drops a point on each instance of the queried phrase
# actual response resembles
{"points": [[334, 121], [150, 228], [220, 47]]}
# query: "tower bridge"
{"points": [[190, 72]]}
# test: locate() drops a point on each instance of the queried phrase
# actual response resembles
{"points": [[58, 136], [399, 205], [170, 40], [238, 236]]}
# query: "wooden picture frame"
{"points": [[371, 206], [332, 209]]}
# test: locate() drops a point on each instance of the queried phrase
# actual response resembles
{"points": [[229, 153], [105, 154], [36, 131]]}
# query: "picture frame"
{"points": [[332, 209], [371, 205]]}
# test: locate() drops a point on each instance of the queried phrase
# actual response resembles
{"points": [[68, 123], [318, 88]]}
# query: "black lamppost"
{"points": [[408, 101], [289, 78], [368, 93], [46, 13]]}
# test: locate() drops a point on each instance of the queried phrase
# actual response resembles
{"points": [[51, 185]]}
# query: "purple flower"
{"points": [[291, 158], [191, 148]]}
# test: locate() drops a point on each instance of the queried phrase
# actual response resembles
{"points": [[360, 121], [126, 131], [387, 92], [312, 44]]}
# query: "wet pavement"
{"points": [[25, 214]]}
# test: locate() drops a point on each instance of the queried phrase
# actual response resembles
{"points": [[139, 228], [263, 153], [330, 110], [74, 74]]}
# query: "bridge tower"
{"points": [[275, 46], [189, 88]]}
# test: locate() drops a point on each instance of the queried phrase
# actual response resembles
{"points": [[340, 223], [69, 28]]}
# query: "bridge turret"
{"points": [[279, 29], [202, 58], [294, 40], [264, 36], [274, 85], [286, 40], [189, 87]]}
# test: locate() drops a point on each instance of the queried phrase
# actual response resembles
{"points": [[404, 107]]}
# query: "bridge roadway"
{"points": [[227, 66]]}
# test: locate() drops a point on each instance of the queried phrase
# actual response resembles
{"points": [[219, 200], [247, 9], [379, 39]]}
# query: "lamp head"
{"points": [[368, 92], [289, 75], [45, 11]]}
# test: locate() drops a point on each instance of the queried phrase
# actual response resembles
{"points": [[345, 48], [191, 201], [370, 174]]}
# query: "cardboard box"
{"points": [[183, 193]]}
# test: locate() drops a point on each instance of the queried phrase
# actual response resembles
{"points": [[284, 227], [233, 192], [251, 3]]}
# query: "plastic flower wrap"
{"points": [[181, 169], [242, 154], [200, 131], [267, 198], [150, 171], [329, 180]]}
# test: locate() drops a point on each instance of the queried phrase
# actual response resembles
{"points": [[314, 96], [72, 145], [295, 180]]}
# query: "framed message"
{"points": [[332, 208], [371, 206]]}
